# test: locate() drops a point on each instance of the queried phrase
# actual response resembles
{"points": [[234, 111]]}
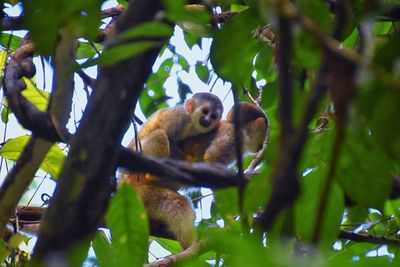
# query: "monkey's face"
{"points": [[206, 117]]}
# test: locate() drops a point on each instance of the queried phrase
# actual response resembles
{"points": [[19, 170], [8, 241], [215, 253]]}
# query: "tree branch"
{"points": [[84, 187], [197, 174], [367, 238]]}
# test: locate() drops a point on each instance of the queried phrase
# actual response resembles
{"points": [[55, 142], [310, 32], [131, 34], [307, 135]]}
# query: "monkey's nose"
{"points": [[204, 122]]}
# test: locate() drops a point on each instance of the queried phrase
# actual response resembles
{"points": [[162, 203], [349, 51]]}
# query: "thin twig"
{"points": [[367, 238]]}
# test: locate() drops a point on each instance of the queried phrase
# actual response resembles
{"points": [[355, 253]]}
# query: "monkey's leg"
{"points": [[172, 209]]}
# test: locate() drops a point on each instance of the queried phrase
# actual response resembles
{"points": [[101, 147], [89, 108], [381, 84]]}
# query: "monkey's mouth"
{"points": [[204, 122]]}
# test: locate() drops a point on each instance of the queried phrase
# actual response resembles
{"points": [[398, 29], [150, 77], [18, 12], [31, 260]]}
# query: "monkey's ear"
{"points": [[190, 105]]}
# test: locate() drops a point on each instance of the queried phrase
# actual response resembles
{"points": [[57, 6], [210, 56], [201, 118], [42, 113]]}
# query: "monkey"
{"points": [[159, 137], [218, 146], [199, 115], [166, 205], [161, 134]]}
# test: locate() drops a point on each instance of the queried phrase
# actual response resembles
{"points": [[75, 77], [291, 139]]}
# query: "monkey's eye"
{"points": [[213, 117], [205, 111]]}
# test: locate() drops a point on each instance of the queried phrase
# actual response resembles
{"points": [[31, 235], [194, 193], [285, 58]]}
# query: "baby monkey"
{"points": [[199, 115], [219, 144]]}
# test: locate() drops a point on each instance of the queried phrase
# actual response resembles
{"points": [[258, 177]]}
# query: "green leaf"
{"points": [[260, 185], [118, 53], [3, 61], [318, 11], [191, 39], [39, 98], [127, 220], [307, 209], [352, 40], [385, 124], [16, 240], [240, 50], [178, 11], [4, 251], [51, 164], [307, 51], [154, 97], [147, 29], [364, 170], [226, 203], [382, 27], [10, 41], [103, 250], [202, 72], [5, 112], [172, 246], [86, 50], [44, 18], [387, 54]]}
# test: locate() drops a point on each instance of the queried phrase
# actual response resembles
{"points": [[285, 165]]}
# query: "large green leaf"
{"points": [[364, 170], [307, 209], [44, 18], [234, 47], [127, 220], [51, 164], [103, 250]]}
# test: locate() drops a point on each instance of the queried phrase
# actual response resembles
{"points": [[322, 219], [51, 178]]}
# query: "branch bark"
{"points": [[83, 189]]}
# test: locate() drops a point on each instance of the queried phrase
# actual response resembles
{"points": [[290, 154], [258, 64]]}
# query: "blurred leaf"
{"points": [[352, 40], [191, 39], [154, 97], [39, 98], [51, 164], [387, 54], [16, 240], [264, 59], [183, 91], [385, 126], [86, 50], [260, 185], [5, 112], [382, 27], [318, 11], [364, 170], [3, 61], [227, 203], [147, 29], [307, 51], [120, 52], [235, 46], [4, 251], [127, 220], [170, 245], [184, 63], [202, 72], [44, 18], [123, 3], [10, 41], [103, 249], [179, 11], [306, 208], [270, 94]]}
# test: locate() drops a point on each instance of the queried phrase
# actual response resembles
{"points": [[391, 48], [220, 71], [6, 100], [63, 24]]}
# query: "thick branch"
{"points": [[197, 174], [84, 187]]}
